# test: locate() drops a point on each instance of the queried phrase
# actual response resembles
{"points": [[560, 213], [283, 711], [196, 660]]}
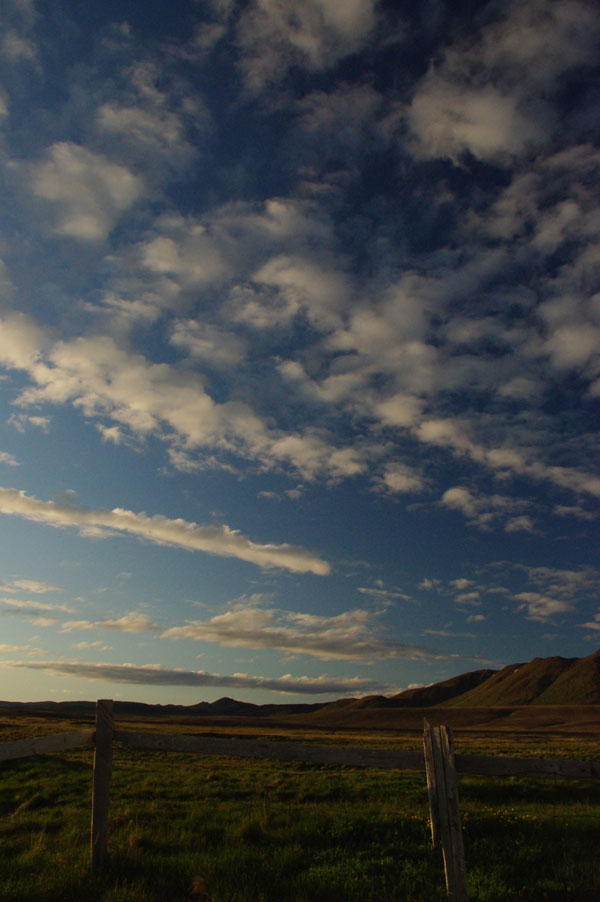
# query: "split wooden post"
{"points": [[101, 782], [442, 786]]}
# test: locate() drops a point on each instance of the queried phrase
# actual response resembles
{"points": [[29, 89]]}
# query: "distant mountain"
{"points": [[223, 707], [543, 681]]}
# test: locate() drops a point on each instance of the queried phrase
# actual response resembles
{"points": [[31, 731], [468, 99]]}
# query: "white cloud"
{"points": [[536, 41], [154, 675], [459, 498], [21, 421], [89, 190], [468, 598], [461, 583], [455, 434], [488, 96], [387, 596], [8, 459], [101, 378], [132, 622], [321, 290], [28, 585], [208, 342], [399, 410], [519, 524], [6, 649], [556, 591], [449, 119], [400, 478], [347, 636], [313, 33], [592, 624], [564, 583], [110, 434], [17, 48], [566, 510], [21, 341], [212, 539], [222, 249], [541, 607], [190, 253], [484, 511], [521, 388], [44, 614], [159, 131], [449, 634]]}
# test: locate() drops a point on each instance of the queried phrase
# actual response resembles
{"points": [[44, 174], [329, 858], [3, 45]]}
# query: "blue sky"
{"points": [[299, 332]]}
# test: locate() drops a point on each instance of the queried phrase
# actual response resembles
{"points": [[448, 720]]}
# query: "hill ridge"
{"points": [[551, 681], [542, 681]]}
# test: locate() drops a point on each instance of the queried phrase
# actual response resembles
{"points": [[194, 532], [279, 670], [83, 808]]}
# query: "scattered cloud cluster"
{"points": [[488, 96], [351, 636], [540, 593], [315, 248], [557, 591], [484, 511], [347, 636], [315, 35]]}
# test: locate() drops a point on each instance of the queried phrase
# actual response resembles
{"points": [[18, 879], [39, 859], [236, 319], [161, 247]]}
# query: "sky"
{"points": [[299, 333]]}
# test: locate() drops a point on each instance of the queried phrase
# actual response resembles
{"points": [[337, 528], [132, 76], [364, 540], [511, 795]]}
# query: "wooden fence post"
{"points": [[442, 786], [101, 782]]}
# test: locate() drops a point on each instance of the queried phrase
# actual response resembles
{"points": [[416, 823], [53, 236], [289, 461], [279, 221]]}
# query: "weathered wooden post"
{"points": [[444, 811], [101, 782]]}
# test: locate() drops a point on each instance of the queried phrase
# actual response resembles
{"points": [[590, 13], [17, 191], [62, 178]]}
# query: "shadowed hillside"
{"points": [[543, 681], [579, 683], [438, 693]]}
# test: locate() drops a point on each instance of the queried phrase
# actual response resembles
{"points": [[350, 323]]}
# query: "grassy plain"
{"points": [[187, 827]]}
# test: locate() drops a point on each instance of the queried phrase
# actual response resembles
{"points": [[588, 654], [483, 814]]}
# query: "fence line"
{"points": [[43, 745], [437, 759], [407, 759], [105, 728], [402, 759]]}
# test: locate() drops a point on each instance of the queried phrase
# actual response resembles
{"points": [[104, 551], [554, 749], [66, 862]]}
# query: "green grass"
{"points": [[186, 827]]}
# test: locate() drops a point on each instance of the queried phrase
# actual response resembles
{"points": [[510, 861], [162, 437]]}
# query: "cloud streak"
{"points": [[218, 539], [133, 622], [32, 608], [28, 585], [153, 675]]}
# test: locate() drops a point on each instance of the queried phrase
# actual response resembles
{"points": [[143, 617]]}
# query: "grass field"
{"points": [[187, 827]]}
